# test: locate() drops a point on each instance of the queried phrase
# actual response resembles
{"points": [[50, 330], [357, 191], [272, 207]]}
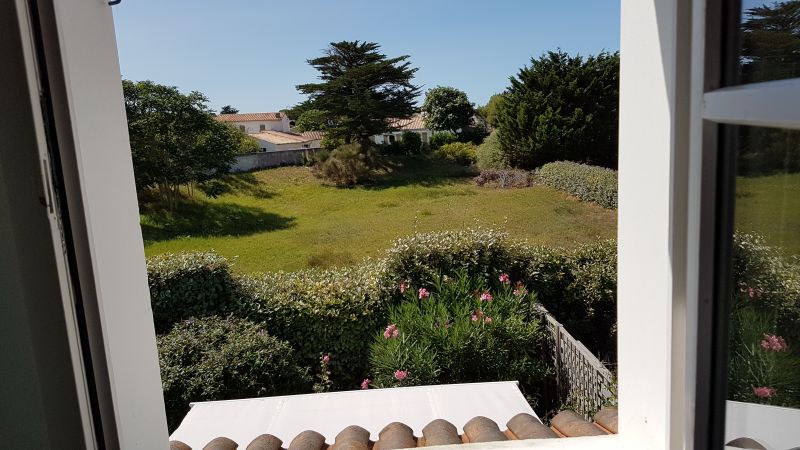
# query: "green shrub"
{"points": [[459, 152], [577, 286], [412, 142], [218, 359], [441, 138], [332, 311], [189, 285], [461, 331], [588, 183], [346, 166], [489, 154]]}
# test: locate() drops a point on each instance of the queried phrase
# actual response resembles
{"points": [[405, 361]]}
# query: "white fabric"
{"points": [[329, 413]]}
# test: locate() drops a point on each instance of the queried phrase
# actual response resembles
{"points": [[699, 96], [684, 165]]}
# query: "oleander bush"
{"points": [[460, 152], [588, 183], [215, 358], [187, 285], [503, 178], [577, 286], [461, 329]]}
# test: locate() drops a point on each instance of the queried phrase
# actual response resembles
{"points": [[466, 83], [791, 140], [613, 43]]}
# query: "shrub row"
{"points": [[588, 183], [463, 153]]}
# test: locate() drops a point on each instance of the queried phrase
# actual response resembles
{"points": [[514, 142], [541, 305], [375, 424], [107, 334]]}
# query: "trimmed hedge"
{"points": [[215, 358], [188, 285], [588, 183], [334, 311]]}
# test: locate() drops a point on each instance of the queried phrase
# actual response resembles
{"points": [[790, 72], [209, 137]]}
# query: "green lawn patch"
{"points": [[285, 219], [770, 206]]}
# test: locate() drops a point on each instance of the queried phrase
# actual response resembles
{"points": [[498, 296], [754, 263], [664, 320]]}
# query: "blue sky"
{"points": [[251, 54]]}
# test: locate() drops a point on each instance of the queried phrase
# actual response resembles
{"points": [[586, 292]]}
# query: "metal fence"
{"points": [[583, 381]]}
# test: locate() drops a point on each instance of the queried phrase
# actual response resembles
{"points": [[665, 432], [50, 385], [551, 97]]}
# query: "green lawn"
{"points": [[285, 219], [770, 206]]}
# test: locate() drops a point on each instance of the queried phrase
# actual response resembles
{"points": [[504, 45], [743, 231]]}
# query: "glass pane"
{"points": [[770, 41], [764, 365]]}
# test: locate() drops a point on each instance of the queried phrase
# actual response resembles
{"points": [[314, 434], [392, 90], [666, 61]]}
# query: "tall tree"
{"points": [[447, 109], [362, 89], [489, 110], [312, 120], [228, 109], [174, 138], [562, 108]]}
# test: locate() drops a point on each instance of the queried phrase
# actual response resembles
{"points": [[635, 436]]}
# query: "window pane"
{"points": [[764, 365], [770, 41]]}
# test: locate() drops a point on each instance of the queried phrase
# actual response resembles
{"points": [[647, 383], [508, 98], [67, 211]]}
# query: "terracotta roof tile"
{"points": [[249, 117], [314, 135], [397, 435], [415, 122], [279, 137]]}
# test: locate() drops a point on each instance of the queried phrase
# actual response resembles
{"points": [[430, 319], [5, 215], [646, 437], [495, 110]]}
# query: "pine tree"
{"points": [[361, 89]]}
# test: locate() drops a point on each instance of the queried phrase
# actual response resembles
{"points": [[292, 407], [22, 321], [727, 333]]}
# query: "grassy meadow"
{"points": [[285, 219], [770, 206]]}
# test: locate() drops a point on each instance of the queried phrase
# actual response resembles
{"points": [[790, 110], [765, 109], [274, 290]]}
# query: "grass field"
{"points": [[770, 206], [285, 219]]}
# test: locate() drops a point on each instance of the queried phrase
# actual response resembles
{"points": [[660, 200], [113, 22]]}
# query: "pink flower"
{"points": [[477, 314], [474, 317], [423, 293], [400, 375], [486, 296], [326, 358], [487, 319], [774, 343], [365, 384], [504, 278], [764, 391], [403, 287], [391, 331]]}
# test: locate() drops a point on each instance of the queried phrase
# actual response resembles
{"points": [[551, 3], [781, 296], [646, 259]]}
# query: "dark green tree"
{"points": [[447, 109], [228, 109], [312, 120], [770, 51], [489, 110], [175, 139], [562, 108], [362, 89]]}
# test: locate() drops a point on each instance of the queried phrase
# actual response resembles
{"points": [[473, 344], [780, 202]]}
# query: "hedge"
{"points": [[188, 285], [333, 311], [588, 183], [216, 358]]}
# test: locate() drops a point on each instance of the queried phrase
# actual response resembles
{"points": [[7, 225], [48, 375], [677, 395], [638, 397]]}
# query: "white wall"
{"points": [[254, 126], [380, 138]]}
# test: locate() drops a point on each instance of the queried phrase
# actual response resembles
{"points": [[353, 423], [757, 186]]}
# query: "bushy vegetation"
{"points": [[348, 165], [765, 339], [458, 330], [441, 138], [412, 142], [561, 107], [588, 183], [216, 358], [489, 154], [188, 285], [459, 152], [447, 109], [504, 178]]}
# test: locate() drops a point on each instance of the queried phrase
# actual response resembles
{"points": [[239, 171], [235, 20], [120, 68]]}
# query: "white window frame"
{"points": [[661, 161]]}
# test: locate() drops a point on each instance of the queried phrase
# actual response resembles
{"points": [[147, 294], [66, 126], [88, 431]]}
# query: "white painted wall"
{"points": [[272, 147], [383, 138], [254, 126]]}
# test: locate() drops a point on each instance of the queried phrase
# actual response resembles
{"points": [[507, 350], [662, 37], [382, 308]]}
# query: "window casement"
{"points": [[262, 127], [242, 128], [672, 102]]}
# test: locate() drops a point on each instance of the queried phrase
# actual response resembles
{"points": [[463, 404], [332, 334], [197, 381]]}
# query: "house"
{"points": [[272, 130], [257, 122], [415, 123]]}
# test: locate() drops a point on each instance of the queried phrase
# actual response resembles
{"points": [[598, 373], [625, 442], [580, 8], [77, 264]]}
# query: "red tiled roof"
{"points": [[279, 137], [397, 435], [415, 122], [314, 135], [249, 117]]}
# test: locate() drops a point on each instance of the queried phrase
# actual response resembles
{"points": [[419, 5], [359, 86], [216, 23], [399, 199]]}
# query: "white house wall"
{"points": [[255, 126]]}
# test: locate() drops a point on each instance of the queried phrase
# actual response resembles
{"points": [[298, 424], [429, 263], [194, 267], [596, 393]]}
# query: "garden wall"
{"points": [[263, 160]]}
